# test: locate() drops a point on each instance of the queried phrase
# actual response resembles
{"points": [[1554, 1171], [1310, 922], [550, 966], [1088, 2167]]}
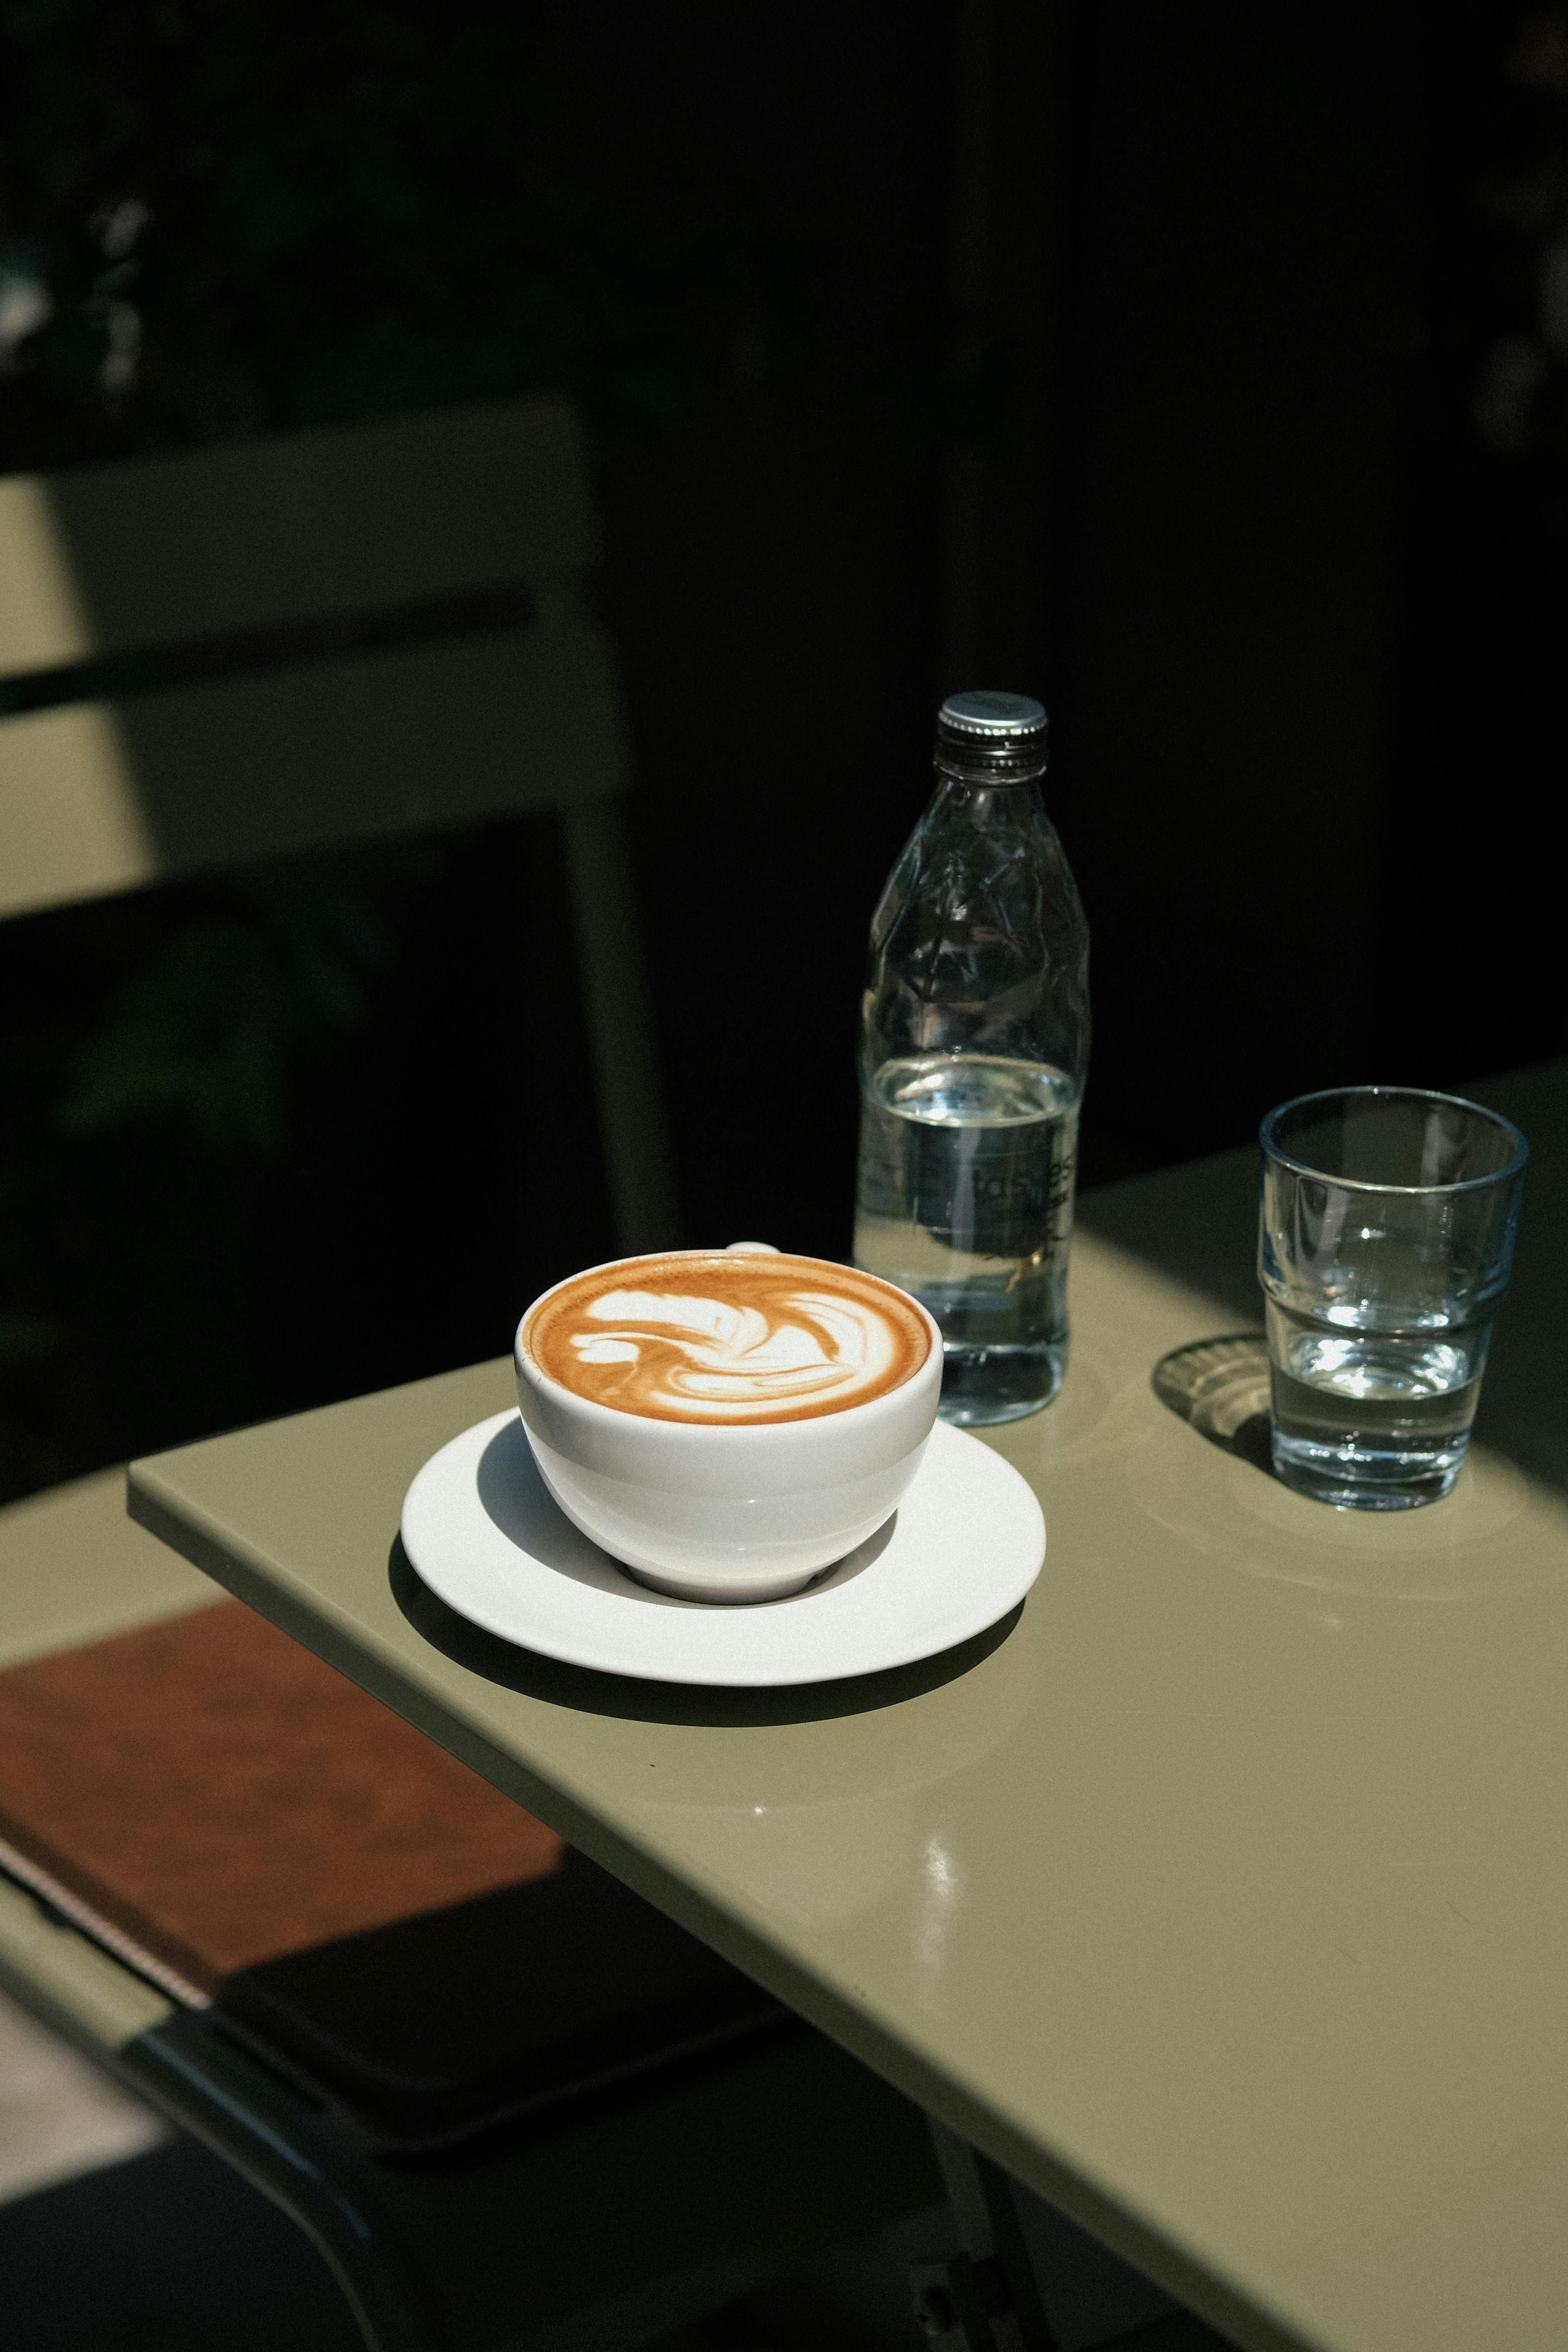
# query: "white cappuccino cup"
{"points": [[724, 1509]]}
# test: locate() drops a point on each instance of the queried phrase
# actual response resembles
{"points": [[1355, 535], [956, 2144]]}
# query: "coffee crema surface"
{"points": [[715, 1338]]}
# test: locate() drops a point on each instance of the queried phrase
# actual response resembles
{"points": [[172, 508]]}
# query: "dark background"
{"points": [[1202, 371]]}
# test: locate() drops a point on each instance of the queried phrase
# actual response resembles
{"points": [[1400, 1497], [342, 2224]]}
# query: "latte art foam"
{"points": [[719, 1339]]}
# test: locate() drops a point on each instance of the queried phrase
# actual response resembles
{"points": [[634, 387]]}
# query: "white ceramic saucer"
{"points": [[966, 1543]]}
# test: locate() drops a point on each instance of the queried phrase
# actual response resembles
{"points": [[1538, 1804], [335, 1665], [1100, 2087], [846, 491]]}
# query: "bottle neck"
{"points": [[985, 799], [993, 776]]}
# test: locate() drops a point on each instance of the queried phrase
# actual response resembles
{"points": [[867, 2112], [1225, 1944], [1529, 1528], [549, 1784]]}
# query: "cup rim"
{"points": [[1272, 1150], [772, 1431]]}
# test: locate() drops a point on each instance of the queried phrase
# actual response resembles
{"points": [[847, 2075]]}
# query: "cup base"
{"points": [[725, 1596], [1359, 1478]]}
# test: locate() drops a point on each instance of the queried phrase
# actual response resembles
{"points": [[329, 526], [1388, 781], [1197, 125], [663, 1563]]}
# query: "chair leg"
{"points": [[235, 2109]]}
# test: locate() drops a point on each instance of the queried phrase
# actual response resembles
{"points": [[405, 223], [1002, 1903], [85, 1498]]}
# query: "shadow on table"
{"points": [[593, 1693], [1220, 1388]]}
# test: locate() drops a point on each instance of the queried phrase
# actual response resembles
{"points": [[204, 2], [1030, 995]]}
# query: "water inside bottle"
{"points": [[964, 1198]]}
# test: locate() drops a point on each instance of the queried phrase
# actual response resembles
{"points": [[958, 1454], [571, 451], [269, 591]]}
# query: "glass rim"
{"points": [[1272, 1150]]}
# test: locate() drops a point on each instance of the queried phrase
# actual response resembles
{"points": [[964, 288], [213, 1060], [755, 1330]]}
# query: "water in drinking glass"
{"points": [[1386, 1415], [1386, 1223]]}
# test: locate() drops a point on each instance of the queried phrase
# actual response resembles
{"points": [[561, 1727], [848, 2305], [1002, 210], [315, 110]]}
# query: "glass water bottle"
{"points": [[973, 1050]]}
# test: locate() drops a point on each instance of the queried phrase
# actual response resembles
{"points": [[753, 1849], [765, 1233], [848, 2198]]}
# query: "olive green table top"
{"points": [[1222, 1897]]}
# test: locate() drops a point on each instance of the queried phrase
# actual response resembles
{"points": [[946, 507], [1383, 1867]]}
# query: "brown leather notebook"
{"points": [[209, 1795]]}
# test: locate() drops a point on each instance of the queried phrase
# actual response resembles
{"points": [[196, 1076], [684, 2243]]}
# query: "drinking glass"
{"points": [[1386, 1236]]}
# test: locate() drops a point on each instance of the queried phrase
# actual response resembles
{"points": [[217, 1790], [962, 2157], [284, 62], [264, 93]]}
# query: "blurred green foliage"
{"points": [[218, 217], [207, 1029], [1503, 307], [156, 1056]]}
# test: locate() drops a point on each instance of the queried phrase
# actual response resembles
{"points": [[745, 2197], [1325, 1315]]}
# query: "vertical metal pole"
{"points": [[618, 1007], [981, 2196]]}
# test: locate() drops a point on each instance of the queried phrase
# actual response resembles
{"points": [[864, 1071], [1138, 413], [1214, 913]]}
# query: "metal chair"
{"points": [[466, 538], [384, 630]]}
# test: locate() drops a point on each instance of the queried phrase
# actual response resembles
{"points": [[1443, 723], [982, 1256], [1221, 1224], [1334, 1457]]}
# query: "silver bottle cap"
{"points": [[991, 738]]}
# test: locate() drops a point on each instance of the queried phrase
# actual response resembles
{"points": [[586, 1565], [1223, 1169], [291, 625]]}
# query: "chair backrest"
{"points": [[384, 629]]}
